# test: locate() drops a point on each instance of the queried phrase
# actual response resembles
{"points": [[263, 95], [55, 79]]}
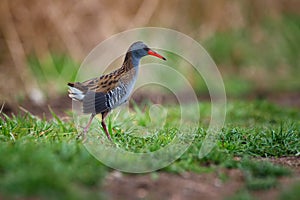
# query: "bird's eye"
{"points": [[146, 49]]}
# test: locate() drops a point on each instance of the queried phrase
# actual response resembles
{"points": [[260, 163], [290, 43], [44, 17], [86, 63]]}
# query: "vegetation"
{"points": [[41, 158], [255, 45]]}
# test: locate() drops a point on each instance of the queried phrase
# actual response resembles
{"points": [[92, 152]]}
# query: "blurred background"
{"points": [[255, 44]]}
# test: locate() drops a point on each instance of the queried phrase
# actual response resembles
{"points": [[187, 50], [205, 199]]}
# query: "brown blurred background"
{"points": [[254, 43]]}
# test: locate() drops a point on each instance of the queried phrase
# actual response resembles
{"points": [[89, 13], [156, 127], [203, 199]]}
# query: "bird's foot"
{"points": [[82, 135]]}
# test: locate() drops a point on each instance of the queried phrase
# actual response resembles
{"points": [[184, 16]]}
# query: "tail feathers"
{"points": [[75, 93], [92, 102]]}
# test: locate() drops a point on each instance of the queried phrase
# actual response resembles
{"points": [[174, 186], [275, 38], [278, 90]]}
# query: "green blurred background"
{"points": [[255, 44]]}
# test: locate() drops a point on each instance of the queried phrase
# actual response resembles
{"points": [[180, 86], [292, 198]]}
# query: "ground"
{"points": [[62, 103], [220, 183], [163, 185]]}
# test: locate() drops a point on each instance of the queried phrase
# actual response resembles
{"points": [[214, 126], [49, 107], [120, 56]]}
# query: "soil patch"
{"points": [[292, 162], [162, 185], [171, 186], [62, 104]]}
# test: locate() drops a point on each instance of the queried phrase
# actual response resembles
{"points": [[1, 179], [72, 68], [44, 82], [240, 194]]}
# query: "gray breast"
{"points": [[120, 94]]}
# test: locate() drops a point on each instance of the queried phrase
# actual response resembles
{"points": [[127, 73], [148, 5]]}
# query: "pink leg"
{"points": [[85, 130], [104, 125]]}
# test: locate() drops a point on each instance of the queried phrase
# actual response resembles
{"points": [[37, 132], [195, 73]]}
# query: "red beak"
{"points": [[153, 53]]}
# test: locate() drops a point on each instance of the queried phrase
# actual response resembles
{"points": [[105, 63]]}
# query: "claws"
{"points": [[82, 135]]}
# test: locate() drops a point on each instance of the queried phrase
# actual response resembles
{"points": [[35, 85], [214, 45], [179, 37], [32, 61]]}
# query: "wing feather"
{"points": [[95, 102]]}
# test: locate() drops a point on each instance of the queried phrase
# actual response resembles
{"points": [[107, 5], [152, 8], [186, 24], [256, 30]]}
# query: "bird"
{"points": [[102, 94]]}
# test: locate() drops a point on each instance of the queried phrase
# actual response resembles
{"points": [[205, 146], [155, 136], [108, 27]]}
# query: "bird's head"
{"points": [[139, 50]]}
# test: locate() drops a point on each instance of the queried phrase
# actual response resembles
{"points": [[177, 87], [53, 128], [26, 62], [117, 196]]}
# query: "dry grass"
{"points": [[75, 27]]}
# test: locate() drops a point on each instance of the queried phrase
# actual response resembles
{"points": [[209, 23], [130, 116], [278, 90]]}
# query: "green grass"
{"points": [[241, 195], [292, 193], [265, 56], [261, 175], [41, 158], [53, 69]]}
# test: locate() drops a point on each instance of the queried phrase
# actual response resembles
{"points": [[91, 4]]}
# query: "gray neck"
{"points": [[135, 61]]}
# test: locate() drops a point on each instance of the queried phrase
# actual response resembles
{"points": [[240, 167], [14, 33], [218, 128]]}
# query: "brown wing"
{"points": [[109, 81], [103, 84]]}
